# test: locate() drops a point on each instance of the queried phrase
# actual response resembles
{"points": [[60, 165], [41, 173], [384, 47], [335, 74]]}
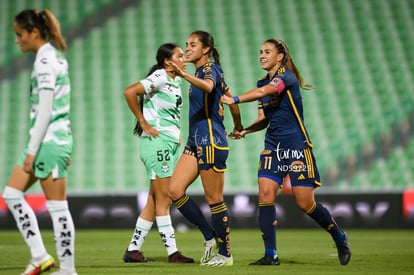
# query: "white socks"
{"points": [[167, 234], [63, 227], [165, 229], [26, 221], [141, 230], [64, 231]]}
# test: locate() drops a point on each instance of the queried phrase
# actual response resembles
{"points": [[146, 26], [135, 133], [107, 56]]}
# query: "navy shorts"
{"points": [[298, 163], [209, 156]]}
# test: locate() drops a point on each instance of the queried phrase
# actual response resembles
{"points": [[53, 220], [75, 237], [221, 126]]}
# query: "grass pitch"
{"points": [[300, 252]]}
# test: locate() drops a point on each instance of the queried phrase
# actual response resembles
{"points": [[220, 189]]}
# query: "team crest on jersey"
{"points": [[206, 69], [275, 100], [164, 167]]}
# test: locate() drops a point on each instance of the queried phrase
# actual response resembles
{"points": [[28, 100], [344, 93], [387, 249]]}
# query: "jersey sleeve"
{"points": [[208, 72], [278, 84], [154, 81], [45, 73], [283, 81], [42, 122]]}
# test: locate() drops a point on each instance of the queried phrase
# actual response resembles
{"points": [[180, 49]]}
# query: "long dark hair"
{"points": [[165, 51], [208, 41], [288, 61], [47, 24]]}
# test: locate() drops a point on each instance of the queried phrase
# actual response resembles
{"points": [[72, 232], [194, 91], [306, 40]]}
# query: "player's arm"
{"points": [[38, 132], [132, 93], [275, 86], [206, 85], [235, 113], [259, 124]]}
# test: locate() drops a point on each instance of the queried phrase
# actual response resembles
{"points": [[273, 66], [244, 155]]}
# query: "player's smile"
{"points": [[263, 61]]}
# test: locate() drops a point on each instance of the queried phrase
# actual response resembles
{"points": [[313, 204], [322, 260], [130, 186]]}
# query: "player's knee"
{"points": [[11, 194], [174, 195], [214, 198], [267, 195], [304, 205]]}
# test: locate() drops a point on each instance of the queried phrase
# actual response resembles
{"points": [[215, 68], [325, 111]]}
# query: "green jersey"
{"points": [[162, 104], [50, 73]]}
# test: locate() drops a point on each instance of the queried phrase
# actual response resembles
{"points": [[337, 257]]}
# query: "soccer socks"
{"points": [[221, 224], [141, 230], [26, 221], [167, 234], [64, 232], [321, 215], [191, 211], [267, 218]]}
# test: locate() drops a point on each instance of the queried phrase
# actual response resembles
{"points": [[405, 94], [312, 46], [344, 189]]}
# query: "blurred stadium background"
{"points": [[357, 54]]}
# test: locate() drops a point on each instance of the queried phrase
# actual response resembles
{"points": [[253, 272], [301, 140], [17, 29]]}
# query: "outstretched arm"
{"points": [[206, 85], [275, 86]]}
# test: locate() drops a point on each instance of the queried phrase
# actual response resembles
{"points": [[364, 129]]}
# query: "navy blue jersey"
{"points": [[284, 111], [206, 113]]}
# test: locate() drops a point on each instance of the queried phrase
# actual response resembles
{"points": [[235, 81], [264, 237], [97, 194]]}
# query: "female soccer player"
{"points": [[158, 125], [47, 155], [206, 150], [288, 149]]}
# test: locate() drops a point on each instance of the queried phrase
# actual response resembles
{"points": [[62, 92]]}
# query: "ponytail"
{"points": [[45, 22], [138, 129], [287, 62], [53, 30], [290, 65], [216, 56]]}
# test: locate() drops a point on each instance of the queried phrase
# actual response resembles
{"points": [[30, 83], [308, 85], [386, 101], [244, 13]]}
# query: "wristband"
{"points": [[236, 99]]}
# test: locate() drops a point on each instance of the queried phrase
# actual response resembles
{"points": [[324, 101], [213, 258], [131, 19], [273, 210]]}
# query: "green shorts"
{"points": [[51, 158], [159, 156]]}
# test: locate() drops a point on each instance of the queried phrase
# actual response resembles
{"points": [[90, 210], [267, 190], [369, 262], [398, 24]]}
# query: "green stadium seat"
{"points": [[342, 47]]}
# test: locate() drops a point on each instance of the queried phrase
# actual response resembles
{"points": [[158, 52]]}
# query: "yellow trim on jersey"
{"points": [[209, 154], [219, 170], [210, 128], [302, 127], [210, 149], [309, 163], [221, 147]]}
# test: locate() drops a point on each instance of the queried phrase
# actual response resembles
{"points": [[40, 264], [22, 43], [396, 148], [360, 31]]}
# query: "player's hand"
{"points": [[178, 71], [240, 134], [237, 134], [28, 164], [149, 130], [227, 100]]}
